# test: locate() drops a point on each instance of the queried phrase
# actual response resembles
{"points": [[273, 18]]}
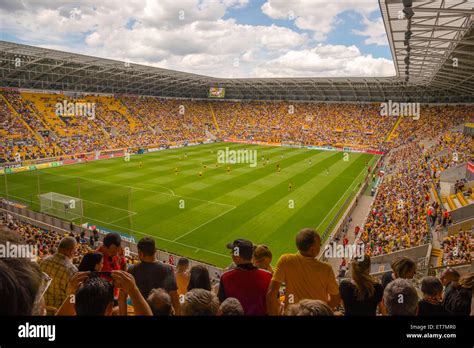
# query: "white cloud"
{"points": [[318, 16], [375, 30], [198, 39], [326, 60]]}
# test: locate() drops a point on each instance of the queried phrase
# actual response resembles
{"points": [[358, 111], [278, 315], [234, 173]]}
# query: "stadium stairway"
{"points": [[392, 133], [214, 117], [436, 258]]}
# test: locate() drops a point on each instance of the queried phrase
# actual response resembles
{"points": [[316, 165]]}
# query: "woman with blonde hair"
{"points": [[362, 294], [402, 267], [262, 257]]}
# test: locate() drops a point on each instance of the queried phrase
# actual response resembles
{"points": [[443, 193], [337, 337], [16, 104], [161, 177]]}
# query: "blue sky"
{"points": [[222, 38]]}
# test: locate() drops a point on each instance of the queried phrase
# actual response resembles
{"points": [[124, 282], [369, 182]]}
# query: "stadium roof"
{"points": [[432, 48]]}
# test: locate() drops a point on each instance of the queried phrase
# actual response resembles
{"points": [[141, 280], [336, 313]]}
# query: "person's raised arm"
{"points": [[125, 281], [122, 303], [68, 306]]}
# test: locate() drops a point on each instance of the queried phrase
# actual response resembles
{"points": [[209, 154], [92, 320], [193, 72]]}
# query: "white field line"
{"points": [[337, 203], [168, 240], [144, 189], [172, 192], [85, 200], [203, 224]]}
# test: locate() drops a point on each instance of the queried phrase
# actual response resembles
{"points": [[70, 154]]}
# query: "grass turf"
{"points": [[197, 216]]}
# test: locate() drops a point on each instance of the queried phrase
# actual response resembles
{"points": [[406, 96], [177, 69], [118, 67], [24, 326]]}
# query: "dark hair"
{"points": [[183, 262], [199, 278], [89, 261], [20, 280], [94, 296], [306, 238], [160, 302], [146, 245], [431, 286], [112, 238]]}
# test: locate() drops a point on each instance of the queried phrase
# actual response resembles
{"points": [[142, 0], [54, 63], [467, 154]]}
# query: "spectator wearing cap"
{"points": [[60, 268], [305, 276], [262, 257], [246, 282]]}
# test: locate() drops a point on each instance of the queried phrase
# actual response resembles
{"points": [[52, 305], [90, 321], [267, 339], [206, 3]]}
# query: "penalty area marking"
{"points": [[144, 189]]}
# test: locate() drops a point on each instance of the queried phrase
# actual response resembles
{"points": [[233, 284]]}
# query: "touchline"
{"points": [[37, 331]]}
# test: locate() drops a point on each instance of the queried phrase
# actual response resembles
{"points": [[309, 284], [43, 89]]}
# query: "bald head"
{"points": [[67, 246]]}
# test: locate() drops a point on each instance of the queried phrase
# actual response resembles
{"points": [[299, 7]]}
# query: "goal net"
{"points": [[66, 207]]}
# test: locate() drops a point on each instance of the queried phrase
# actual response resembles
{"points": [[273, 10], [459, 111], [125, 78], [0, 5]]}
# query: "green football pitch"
{"points": [[196, 216]]}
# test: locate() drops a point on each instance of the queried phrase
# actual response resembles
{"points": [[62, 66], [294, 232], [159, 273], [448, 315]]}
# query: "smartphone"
{"points": [[100, 274]]}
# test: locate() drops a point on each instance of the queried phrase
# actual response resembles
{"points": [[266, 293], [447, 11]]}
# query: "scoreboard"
{"points": [[216, 92]]}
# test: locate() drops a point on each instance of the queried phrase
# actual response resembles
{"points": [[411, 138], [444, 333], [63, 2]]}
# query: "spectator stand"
{"points": [[62, 227]]}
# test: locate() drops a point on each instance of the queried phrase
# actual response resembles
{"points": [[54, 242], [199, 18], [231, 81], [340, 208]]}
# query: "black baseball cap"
{"points": [[245, 248]]}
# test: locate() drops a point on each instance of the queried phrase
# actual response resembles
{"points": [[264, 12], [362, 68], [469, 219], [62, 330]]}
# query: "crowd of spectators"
{"points": [[457, 248], [139, 121], [104, 283]]}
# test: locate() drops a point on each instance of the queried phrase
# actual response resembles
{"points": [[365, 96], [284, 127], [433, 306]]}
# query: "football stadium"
{"points": [[325, 169]]}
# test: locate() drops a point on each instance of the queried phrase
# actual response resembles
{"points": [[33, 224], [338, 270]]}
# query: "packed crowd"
{"points": [[404, 211], [457, 248], [398, 219], [133, 121], [104, 283]]}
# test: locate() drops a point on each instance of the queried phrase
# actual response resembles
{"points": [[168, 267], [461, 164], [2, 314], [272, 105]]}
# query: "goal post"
{"points": [[62, 206]]}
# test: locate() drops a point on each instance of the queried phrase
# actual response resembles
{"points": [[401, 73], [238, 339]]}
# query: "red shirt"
{"points": [[112, 263], [249, 285]]}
